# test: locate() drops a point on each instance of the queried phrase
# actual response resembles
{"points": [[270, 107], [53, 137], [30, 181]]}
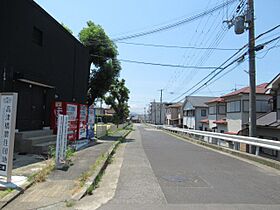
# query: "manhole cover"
{"points": [[183, 181]]}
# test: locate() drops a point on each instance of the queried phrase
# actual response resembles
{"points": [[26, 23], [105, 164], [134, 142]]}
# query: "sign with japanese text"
{"points": [[61, 139], [8, 110], [91, 118]]}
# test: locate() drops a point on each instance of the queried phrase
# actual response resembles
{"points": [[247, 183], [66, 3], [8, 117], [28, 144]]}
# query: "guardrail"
{"points": [[218, 138]]}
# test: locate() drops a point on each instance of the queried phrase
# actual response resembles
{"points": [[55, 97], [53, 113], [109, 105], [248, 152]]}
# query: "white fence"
{"points": [[220, 138]]}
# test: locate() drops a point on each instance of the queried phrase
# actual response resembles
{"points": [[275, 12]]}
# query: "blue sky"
{"points": [[124, 17]]}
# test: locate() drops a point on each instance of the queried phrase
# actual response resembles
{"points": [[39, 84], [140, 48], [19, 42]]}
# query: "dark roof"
{"points": [[178, 105], [260, 89], [199, 101], [268, 120]]}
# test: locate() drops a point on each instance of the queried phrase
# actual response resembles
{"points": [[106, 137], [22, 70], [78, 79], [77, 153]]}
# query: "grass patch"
{"points": [[5, 192], [95, 183], [84, 177], [98, 178], [42, 174], [69, 203]]}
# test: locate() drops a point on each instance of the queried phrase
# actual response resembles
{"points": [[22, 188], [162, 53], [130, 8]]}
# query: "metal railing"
{"points": [[218, 138]]}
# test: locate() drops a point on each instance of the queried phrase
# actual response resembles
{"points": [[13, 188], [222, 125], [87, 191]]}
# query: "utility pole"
{"points": [[155, 111], [160, 106], [252, 70], [144, 114]]}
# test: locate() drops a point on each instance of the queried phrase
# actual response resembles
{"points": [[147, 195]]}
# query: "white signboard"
{"points": [[8, 110], [61, 139]]}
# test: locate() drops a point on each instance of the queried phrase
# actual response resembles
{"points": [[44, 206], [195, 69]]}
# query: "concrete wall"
{"points": [[100, 130]]}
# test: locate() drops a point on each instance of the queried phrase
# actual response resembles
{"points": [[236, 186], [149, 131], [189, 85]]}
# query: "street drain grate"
{"points": [[192, 181]]}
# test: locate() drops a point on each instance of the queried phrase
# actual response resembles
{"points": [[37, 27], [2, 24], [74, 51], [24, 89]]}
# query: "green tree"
{"points": [[117, 98], [103, 56], [67, 28]]}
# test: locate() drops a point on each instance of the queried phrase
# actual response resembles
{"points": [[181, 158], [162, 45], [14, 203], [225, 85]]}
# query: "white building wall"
{"points": [[155, 113], [189, 122], [234, 122], [212, 118]]}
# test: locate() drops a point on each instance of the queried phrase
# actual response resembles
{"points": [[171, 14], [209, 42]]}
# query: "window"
{"points": [[37, 36], [261, 106], [203, 112], [233, 106], [246, 106], [190, 113], [212, 110], [221, 109]]}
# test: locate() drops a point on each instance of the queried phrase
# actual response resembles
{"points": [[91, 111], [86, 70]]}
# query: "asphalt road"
{"points": [[160, 171]]}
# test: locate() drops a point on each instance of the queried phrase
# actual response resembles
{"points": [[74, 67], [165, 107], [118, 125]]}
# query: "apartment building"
{"points": [[157, 113]]}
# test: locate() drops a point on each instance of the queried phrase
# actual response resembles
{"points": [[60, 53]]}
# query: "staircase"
{"points": [[35, 142]]}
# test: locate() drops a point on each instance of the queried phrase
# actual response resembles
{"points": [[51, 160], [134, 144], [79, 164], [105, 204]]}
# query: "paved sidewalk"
{"points": [[60, 185]]}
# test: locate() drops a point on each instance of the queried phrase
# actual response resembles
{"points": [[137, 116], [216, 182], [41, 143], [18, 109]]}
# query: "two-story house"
{"points": [[237, 107], [268, 124], [195, 112], [174, 115], [217, 115]]}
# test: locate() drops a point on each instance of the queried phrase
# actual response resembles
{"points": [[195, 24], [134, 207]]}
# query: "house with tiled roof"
{"points": [[237, 107], [217, 115], [174, 115], [268, 124], [195, 112]]}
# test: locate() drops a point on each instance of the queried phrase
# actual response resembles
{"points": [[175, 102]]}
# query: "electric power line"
{"points": [[176, 24], [169, 65], [222, 69], [176, 46]]}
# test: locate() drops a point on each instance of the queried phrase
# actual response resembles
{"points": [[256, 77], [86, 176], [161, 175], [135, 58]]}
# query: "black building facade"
{"points": [[40, 60]]}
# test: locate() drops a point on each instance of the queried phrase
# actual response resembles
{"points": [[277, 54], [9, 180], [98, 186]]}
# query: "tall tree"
{"points": [[117, 98], [67, 28], [103, 56]]}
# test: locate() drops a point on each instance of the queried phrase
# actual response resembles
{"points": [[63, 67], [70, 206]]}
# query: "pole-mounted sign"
{"points": [[61, 140], [8, 111]]}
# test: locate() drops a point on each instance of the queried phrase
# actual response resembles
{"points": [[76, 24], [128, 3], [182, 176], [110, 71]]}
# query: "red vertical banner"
{"points": [[72, 112], [65, 108]]}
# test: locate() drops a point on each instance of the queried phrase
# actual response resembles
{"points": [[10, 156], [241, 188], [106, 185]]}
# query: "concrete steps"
{"points": [[35, 142]]}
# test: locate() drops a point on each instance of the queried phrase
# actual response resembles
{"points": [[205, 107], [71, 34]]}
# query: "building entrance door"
{"points": [[31, 106]]}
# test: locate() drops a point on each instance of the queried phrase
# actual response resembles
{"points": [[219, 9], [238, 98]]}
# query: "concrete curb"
{"points": [[16, 192], [99, 169], [268, 162]]}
